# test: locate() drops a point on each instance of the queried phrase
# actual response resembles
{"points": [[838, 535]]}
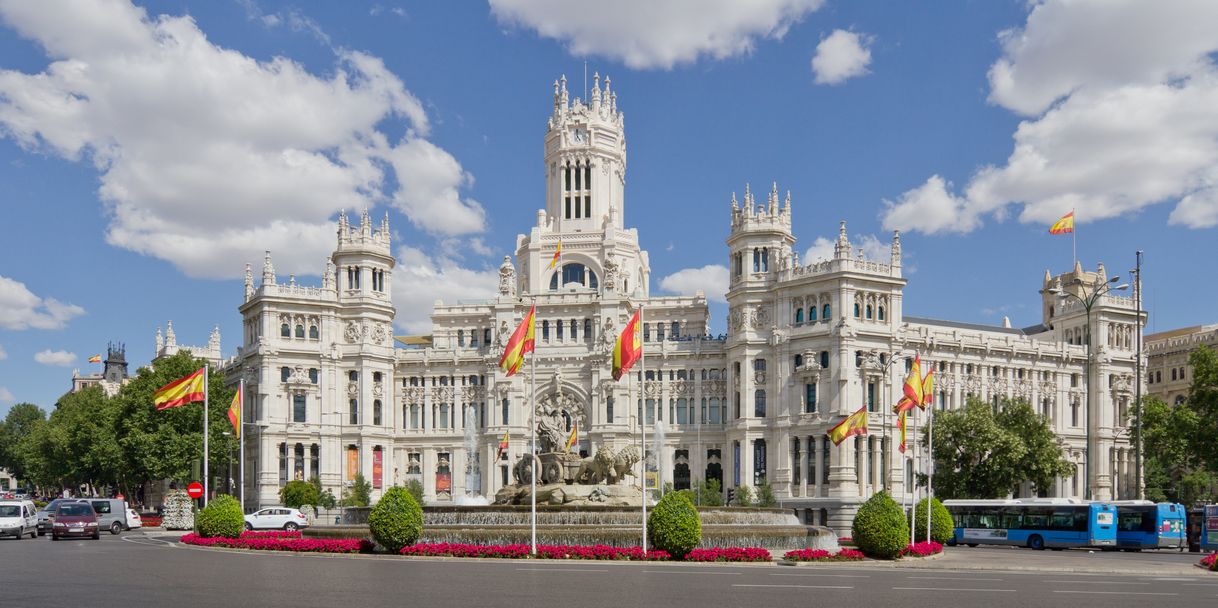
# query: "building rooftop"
{"points": [[1026, 331]]}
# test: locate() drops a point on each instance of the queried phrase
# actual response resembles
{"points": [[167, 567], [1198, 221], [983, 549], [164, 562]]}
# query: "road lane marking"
{"points": [[953, 578], [1201, 584], [836, 575], [561, 570], [1097, 582], [1117, 592], [797, 586], [949, 589], [688, 572]]}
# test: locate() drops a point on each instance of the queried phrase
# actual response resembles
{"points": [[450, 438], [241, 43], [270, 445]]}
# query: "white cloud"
{"points": [[21, 309], [841, 56], [711, 280], [646, 34], [419, 281], [207, 156], [61, 358], [3, 353], [873, 249], [1120, 98], [6, 395]]}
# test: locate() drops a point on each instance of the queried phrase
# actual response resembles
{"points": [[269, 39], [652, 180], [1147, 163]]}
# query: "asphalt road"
{"points": [[131, 570]]}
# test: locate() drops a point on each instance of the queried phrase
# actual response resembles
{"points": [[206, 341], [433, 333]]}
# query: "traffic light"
{"points": [[731, 495]]}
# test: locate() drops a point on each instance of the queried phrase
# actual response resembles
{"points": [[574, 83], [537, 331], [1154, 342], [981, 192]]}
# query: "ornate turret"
{"points": [[841, 248], [896, 248], [213, 341], [585, 160], [160, 341], [268, 270], [249, 282], [171, 339]]}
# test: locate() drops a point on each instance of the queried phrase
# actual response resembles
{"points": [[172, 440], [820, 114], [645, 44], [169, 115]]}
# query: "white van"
{"points": [[18, 518]]}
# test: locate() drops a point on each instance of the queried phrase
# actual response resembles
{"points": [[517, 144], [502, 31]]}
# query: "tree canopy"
{"points": [[1181, 462]]}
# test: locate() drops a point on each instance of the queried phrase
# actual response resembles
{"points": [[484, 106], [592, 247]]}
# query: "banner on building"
{"points": [[376, 468], [352, 462]]}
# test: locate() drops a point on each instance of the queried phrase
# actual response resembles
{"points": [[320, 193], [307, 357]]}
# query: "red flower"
{"points": [[922, 549], [821, 555]]}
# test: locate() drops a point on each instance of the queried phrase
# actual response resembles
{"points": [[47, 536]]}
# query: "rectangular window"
{"points": [[353, 412], [587, 206], [759, 403], [609, 409], [298, 408], [871, 404], [682, 412], [568, 214], [283, 463], [558, 329], [810, 398]]}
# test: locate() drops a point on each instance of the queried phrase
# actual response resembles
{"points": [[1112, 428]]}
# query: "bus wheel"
{"points": [[951, 542], [972, 544], [1036, 542]]}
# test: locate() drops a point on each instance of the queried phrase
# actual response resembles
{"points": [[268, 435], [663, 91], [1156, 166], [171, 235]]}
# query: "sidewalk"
{"points": [[1074, 562]]}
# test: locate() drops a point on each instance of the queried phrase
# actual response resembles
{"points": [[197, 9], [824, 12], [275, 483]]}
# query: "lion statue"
{"points": [[596, 468], [623, 464]]}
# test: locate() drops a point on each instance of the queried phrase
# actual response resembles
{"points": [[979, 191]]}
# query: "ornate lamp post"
{"points": [[1088, 299]]}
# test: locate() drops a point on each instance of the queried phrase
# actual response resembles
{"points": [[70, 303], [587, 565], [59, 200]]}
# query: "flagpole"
{"points": [[930, 464], [241, 439], [206, 481], [533, 438], [1074, 240], [913, 484], [643, 398]]}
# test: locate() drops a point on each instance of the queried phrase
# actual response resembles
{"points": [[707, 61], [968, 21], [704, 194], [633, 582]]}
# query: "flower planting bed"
{"points": [[821, 555], [729, 554], [922, 549], [150, 521], [1210, 562], [519, 551], [295, 545], [271, 534]]}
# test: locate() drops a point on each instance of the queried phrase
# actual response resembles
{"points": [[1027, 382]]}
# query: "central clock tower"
{"points": [[585, 160]]}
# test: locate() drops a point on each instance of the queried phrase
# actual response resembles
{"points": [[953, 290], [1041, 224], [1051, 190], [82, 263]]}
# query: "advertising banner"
{"points": [[352, 462], [376, 468]]}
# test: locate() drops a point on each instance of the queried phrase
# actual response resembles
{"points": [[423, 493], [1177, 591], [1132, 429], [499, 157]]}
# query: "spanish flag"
{"points": [[520, 343], [503, 446], [913, 382], [95, 359], [629, 347], [904, 405], [181, 391], [854, 424], [928, 388], [901, 425], [1063, 226], [574, 436], [557, 254], [234, 410]]}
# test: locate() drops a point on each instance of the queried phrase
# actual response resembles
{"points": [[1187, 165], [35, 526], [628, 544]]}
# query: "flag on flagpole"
{"points": [[573, 437], [629, 347], [557, 254], [1065, 225], [901, 426], [854, 424], [913, 382], [503, 446], [520, 343], [904, 405], [928, 388], [181, 391], [234, 409], [95, 359]]}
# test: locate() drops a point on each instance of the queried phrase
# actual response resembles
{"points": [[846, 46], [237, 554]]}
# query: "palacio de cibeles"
{"points": [[332, 392]]}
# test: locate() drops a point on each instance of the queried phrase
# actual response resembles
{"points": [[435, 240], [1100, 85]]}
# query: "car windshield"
{"points": [[75, 509], [51, 505], [10, 511]]}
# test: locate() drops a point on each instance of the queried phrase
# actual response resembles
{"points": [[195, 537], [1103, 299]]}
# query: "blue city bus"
{"points": [[1142, 524], [1036, 523], [1209, 528]]}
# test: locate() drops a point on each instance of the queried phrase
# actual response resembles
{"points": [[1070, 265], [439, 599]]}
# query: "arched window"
{"points": [[313, 334], [676, 331], [811, 313], [574, 275], [353, 376], [587, 330], [313, 375], [869, 311], [545, 329], [799, 361], [858, 310], [300, 331], [285, 330], [460, 337], [881, 313], [353, 412], [1173, 373], [799, 315], [826, 313]]}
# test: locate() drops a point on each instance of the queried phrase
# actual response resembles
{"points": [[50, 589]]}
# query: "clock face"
{"points": [[578, 136]]}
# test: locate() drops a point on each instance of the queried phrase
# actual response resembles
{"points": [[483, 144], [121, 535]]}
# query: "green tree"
{"points": [[744, 496], [415, 487], [982, 454], [359, 494], [396, 521], [20, 422], [674, 526], [942, 527], [325, 498], [879, 528], [765, 495], [1203, 401], [298, 493]]}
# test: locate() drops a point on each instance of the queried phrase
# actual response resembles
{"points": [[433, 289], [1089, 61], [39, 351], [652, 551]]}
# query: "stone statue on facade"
{"points": [[507, 277], [611, 274]]}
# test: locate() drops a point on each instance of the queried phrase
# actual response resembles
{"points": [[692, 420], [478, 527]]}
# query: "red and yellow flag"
{"points": [[928, 388], [901, 425], [913, 382], [574, 436], [503, 446], [557, 255], [1065, 225], [904, 405], [520, 343], [181, 391], [234, 410], [854, 424], [629, 347], [95, 359]]}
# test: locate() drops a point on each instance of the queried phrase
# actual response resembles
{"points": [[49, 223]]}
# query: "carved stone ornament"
{"points": [[379, 333], [608, 336], [298, 376], [611, 274], [352, 333], [353, 389], [378, 390], [553, 410], [761, 317], [507, 277], [736, 318]]}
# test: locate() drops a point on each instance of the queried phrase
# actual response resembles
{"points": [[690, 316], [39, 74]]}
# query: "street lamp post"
{"points": [[1088, 300]]}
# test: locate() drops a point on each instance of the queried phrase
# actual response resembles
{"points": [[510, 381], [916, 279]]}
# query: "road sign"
{"points": [[195, 490]]}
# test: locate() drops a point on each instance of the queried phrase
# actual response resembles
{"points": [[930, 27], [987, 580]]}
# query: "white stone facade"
{"points": [[1168, 372], [329, 394]]}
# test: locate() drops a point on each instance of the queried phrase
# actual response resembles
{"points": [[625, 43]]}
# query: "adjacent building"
{"points": [[1168, 373], [331, 393]]}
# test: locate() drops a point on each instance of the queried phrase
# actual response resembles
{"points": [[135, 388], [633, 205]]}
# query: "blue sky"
{"points": [[147, 152]]}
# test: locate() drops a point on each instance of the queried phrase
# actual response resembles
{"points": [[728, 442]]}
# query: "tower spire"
{"points": [[268, 270]]}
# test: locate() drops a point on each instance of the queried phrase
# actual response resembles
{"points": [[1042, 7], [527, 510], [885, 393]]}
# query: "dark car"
{"points": [[74, 519]]}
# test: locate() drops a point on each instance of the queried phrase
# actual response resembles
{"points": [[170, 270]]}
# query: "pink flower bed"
{"points": [[150, 521], [922, 549], [298, 545], [271, 534], [730, 554], [543, 551], [1210, 561], [821, 555]]}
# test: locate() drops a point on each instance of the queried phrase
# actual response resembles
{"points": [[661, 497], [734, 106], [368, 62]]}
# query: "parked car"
{"points": [[133, 519], [276, 518], [18, 518], [111, 513], [45, 513], [74, 518]]}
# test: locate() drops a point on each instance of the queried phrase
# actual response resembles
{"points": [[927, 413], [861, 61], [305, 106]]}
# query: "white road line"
{"points": [[949, 589], [1200, 584], [1096, 582], [560, 570], [832, 575], [798, 586], [1118, 592], [953, 578], [688, 572]]}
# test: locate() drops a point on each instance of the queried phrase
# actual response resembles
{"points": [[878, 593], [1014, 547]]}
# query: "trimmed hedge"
{"points": [[221, 517], [942, 528], [879, 529], [397, 520], [674, 525]]}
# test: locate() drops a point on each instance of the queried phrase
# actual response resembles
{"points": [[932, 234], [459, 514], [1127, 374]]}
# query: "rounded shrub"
{"points": [[397, 520], [879, 529], [221, 517], [298, 493], [674, 525], [942, 528]]}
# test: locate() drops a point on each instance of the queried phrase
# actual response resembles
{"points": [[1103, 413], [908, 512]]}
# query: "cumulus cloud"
{"points": [[21, 309], [841, 56], [6, 395], [645, 34], [419, 281], [1119, 98], [207, 156], [873, 249], [711, 280], [60, 358]]}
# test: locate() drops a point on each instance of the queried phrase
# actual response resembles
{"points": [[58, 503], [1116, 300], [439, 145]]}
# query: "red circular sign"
{"points": [[195, 490]]}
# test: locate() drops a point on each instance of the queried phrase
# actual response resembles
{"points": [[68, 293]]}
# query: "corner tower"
{"points": [[585, 160]]}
